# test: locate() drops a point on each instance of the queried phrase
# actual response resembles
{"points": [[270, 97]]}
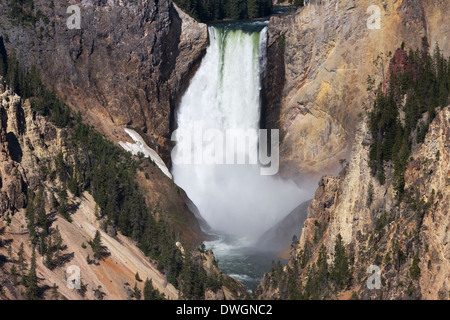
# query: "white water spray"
{"points": [[225, 94]]}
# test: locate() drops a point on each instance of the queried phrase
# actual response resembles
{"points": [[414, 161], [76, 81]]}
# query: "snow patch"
{"points": [[141, 146]]}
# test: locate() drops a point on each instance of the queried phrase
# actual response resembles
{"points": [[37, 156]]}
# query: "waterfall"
{"points": [[224, 95]]}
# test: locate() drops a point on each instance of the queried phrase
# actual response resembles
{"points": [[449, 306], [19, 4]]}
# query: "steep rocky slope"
{"points": [[408, 241], [318, 62], [126, 66], [28, 141], [279, 237], [28, 146]]}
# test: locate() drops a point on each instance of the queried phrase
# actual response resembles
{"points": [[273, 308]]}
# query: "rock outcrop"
{"points": [[408, 241], [319, 59], [13, 180], [279, 237], [127, 65], [29, 143]]}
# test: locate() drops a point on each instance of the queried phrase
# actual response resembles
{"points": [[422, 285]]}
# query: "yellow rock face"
{"points": [[329, 51]]}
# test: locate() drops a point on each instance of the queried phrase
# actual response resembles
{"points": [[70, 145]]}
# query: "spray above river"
{"points": [[224, 95]]}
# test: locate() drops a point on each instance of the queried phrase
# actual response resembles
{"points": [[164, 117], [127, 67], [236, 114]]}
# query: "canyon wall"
{"points": [[29, 145], [126, 67], [407, 241], [319, 59]]}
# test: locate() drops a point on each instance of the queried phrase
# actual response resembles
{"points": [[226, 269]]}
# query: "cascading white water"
{"points": [[225, 94]]}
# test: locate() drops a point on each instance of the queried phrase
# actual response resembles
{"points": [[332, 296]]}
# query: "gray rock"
{"points": [[129, 62], [279, 237]]}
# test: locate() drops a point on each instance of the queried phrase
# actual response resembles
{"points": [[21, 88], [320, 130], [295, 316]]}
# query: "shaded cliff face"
{"points": [[318, 61], [280, 236], [126, 66], [408, 241]]}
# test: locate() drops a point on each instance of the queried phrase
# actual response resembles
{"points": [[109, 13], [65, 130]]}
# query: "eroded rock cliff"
{"points": [[28, 151], [126, 66], [408, 241], [29, 145], [319, 59]]}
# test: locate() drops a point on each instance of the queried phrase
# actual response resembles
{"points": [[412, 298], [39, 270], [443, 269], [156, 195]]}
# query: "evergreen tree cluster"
{"points": [[151, 293], [22, 11], [416, 93], [97, 246], [47, 239], [214, 10], [30, 279], [29, 85], [195, 280], [320, 278]]}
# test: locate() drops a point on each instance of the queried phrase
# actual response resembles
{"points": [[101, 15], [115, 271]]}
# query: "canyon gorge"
{"points": [[137, 71]]}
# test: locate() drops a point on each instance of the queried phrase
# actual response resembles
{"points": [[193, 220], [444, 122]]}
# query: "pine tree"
{"points": [[73, 185], [150, 293], [136, 292], [340, 271], [32, 290], [62, 208], [55, 294], [58, 241], [322, 266], [31, 217], [39, 204], [187, 276], [370, 192], [294, 246], [55, 202], [42, 246], [60, 165], [136, 276], [49, 254], [148, 290], [414, 270], [21, 260], [13, 271], [294, 286], [97, 246]]}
